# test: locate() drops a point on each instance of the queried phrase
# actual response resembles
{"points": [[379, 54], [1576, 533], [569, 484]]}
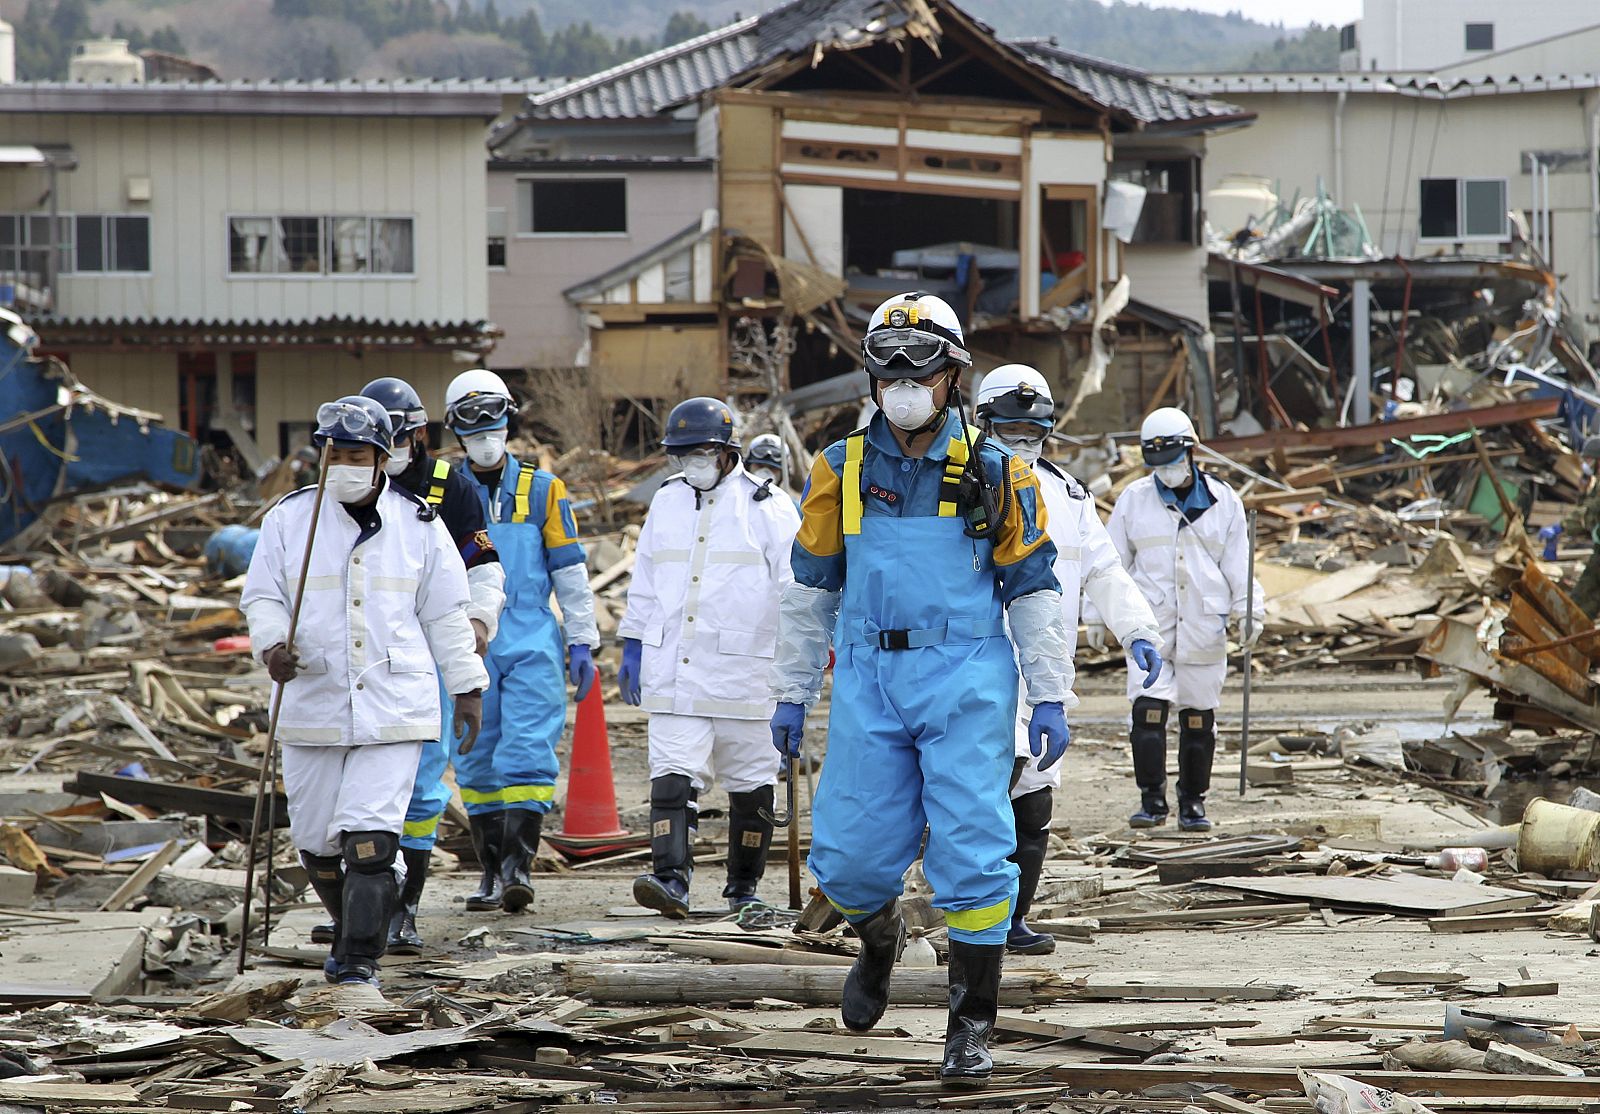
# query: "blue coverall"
{"points": [[453, 494], [925, 684], [525, 709]]}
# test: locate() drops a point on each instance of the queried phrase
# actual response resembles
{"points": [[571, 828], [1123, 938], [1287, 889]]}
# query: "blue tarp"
{"points": [[58, 439]]}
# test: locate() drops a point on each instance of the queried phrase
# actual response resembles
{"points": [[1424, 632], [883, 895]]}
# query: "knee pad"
{"points": [[671, 791], [751, 802], [1150, 719], [1197, 723], [1032, 811], [370, 852]]}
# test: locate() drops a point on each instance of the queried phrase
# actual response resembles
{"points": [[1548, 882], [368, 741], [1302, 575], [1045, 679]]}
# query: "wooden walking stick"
{"points": [[268, 756]]}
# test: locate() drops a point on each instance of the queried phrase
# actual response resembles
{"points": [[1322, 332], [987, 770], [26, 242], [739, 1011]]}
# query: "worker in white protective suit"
{"points": [[386, 597], [1016, 408], [698, 639], [1182, 534]]}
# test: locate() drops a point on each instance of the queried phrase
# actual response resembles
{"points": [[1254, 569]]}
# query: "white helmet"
{"points": [[1166, 435], [912, 335], [767, 451], [477, 400], [1016, 393]]}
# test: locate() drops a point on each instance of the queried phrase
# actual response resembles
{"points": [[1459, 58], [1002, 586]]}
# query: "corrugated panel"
{"points": [[656, 81], [1125, 88]]}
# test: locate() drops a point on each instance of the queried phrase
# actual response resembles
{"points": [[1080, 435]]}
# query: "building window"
{"points": [[497, 237], [1480, 36], [1347, 37], [572, 206], [1171, 212], [86, 243], [321, 245], [1464, 209]]}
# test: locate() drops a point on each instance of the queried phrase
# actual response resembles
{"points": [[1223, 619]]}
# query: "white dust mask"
{"points": [[399, 460], [1176, 474], [907, 403], [350, 483], [485, 449], [701, 471]]}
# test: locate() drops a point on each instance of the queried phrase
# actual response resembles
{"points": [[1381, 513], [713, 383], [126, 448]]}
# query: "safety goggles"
{"points": [[912, 346], [353, 422], [476, 409], [703, 452], [1164, 450], [406, 420]]}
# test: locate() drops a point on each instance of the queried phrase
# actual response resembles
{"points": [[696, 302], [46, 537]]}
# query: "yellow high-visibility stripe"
{"points": [[842, 909], [850, 509], [524, 484], [420, 829], [474, 797], [954, 465], [441, 473], [516, 794], [976, 920]]}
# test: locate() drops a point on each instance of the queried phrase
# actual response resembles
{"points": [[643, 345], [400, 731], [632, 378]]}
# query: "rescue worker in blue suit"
{"points": [[918, 540], [447, 489], [508, 780]]}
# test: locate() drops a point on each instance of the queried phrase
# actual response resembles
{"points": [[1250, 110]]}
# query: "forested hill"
{"points": [[310, 39]]}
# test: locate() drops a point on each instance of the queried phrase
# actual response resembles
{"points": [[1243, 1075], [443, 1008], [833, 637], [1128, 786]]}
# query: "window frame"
{"points": [[326, 223], [67, 262], [530, 180], [1461, 236], [490, 236], [1466, 37]]}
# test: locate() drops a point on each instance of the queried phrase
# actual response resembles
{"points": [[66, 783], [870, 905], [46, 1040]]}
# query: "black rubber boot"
{"points": [[488, 835], [1149, 739], [666, 888], [866, 987], [1032, 814], [327, 882], [521, 843], [1197, 745], [370, 897], [403, 937], [749, 837], [974, 1002]]}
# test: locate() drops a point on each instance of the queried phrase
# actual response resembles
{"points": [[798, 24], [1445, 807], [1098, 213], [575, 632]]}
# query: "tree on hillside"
{"points": [[681, 26]]}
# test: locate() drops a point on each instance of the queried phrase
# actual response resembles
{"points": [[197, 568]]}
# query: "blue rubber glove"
{"points": [[1047, 733], [1550, 535], [1146, 657], [788, 728], [630, 676], [580, 670]]}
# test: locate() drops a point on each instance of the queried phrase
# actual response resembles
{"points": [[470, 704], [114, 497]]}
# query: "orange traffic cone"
{"points": [[590, 827]]}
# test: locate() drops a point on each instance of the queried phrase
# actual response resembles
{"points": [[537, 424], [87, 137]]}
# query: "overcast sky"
{"points": [[1294, 13]]}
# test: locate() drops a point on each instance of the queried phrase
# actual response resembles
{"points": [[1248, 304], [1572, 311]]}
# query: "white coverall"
{"points": [[1193, 575], [1087, 564], [379, 610], [704, 604]]}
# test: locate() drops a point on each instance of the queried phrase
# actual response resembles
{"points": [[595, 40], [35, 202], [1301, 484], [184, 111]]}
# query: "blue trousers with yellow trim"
{"points": [[921, 738], [514, 764], [429, 793]]}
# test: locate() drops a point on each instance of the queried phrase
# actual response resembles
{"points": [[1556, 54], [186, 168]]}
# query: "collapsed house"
{"points": [[755, 191]]}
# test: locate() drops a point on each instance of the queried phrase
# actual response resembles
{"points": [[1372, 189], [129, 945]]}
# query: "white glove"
{"points": [[1254, 636], [1095, 635]]}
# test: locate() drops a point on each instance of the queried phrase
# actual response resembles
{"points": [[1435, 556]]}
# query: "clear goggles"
{"points": [[355, 422], [913, 346], [691, 452], [477, 409], [1164, 450], [404, 421]]}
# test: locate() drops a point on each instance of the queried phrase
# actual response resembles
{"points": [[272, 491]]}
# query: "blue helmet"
{"points": [[698, 421], [401, 400], [354, 419]]}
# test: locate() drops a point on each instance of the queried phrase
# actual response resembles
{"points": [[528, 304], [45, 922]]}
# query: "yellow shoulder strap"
{"points": [[954, 465], [441, 473], [519, 512], [850, 493]]}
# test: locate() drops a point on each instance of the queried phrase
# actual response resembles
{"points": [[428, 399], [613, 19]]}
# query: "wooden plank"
{"points": [[1179, 917], [1403, 893], [1379, 433], [1490, 922], [1136, 1077], [140, 879], [169, 797], [131, 718]]}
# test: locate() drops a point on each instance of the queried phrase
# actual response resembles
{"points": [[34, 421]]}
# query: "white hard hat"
{"points": [[912, 335], [1016, 393], [767, 451], [476, 400], [1166, 435]]}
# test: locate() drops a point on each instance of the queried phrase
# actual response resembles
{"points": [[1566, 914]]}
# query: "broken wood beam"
{"points": [[169, 797], [1136, 1077], [1380, 433]]}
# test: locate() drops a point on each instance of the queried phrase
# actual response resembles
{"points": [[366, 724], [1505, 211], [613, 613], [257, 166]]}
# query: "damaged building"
{"points": [[765, 184]]}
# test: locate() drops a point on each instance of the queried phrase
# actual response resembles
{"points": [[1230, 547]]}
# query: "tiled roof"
{"points": [[1126, 89], [653, 82], [678, 74], [347, 332]]}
